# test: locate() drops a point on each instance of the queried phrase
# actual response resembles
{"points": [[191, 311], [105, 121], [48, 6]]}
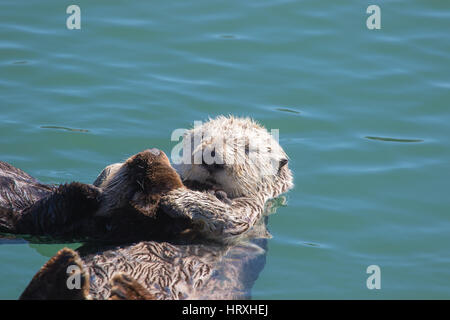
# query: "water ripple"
{"points": [[393, 139], [64, 128]]}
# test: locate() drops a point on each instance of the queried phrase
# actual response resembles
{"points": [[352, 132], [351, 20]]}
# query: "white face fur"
{"points": [[235, 155]]}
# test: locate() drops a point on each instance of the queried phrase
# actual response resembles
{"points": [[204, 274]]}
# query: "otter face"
{"points": [[139, 182], [236, 155]]}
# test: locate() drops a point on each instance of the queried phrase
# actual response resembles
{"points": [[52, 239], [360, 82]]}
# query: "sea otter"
{"points": [[121, 211], [253, 170], [231, 215]]}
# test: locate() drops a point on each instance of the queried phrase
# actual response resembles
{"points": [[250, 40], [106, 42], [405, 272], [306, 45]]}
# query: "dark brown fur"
{"points": [[50, 283], [141, 181], [129, 207]]}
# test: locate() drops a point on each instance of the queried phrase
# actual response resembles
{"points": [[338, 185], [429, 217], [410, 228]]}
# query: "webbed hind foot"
{"points": [[61, 278]]}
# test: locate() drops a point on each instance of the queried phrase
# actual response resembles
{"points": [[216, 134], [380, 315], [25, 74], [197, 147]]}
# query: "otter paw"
{"points": [[61, 278], [126, 288]]}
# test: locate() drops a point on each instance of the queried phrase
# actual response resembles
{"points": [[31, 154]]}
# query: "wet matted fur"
{"points": [[126, 209], [231, 215]]}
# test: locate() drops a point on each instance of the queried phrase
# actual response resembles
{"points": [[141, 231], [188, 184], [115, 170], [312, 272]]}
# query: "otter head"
{"points": [[236, 155], [139, 182]]}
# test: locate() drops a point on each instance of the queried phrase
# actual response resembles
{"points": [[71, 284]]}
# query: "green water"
{"points": [[363, 114]]}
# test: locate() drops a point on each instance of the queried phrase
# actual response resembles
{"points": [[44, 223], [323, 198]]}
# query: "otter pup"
{"points": [[126, 208]]}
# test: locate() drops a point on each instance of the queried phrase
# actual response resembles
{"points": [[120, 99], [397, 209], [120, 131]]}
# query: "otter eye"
{"points": [[213, 153]]}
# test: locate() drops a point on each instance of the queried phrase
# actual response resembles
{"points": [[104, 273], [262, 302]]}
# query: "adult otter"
{"points": [[123, 210], [170, 270], [196, 271]]}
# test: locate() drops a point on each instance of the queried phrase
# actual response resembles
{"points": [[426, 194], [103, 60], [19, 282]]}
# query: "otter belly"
{"points": [[170, 271]]}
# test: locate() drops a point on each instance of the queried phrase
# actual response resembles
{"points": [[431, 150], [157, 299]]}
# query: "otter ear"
{"points": [[146, 204], [282, 163]]}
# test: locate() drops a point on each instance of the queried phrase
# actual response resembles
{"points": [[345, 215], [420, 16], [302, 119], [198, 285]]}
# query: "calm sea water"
{"points": [[363, 114]]}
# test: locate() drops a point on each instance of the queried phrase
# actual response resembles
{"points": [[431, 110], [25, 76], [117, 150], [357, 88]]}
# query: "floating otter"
{"points": [[231, 213]]}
